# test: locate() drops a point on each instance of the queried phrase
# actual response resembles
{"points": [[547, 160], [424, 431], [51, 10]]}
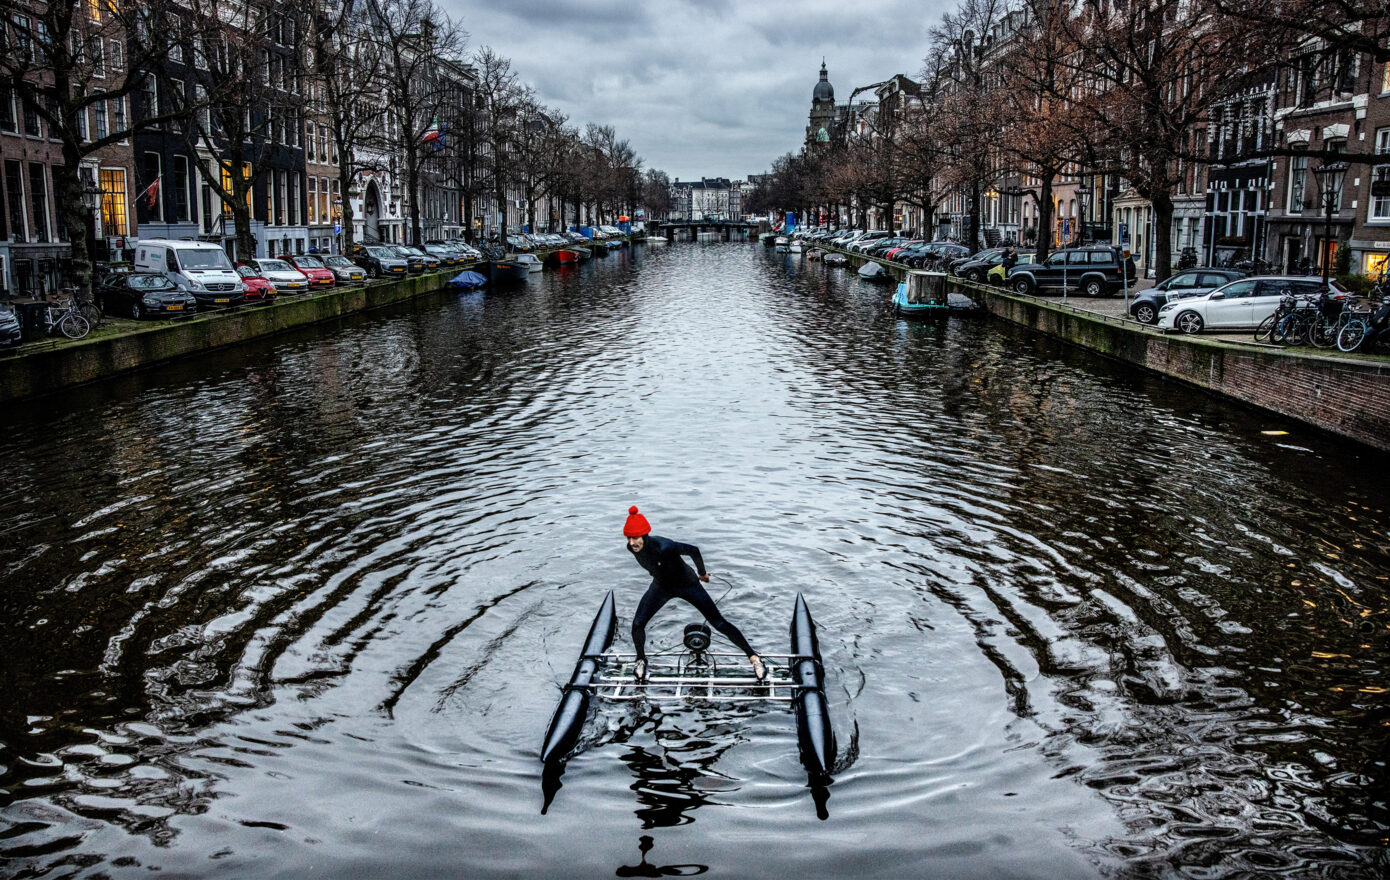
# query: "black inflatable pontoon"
{"points": [[700, 676]]}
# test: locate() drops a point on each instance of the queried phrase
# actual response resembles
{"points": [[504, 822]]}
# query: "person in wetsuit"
{"points": [[673, 579]]}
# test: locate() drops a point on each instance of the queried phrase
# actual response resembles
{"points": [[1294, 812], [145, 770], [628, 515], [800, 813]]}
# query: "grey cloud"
{"points": [[701, 87]]}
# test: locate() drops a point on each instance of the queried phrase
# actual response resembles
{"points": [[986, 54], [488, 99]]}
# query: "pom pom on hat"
{"points": [[636, 525]]}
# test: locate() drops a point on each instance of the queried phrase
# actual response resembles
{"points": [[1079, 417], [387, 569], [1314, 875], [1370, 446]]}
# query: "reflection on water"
{"points": [[306, 605]]}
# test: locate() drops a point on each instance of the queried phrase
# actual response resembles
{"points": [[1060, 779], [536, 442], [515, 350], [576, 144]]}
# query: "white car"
{"points": [[281, 274], [1239, 305]]}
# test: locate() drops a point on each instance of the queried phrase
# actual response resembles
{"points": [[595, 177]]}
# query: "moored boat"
{"points": [[872, 271], [923, 294], [530, 261]]}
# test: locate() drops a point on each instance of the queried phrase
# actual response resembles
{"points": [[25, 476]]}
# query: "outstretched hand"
{"points": [[704, 577]]}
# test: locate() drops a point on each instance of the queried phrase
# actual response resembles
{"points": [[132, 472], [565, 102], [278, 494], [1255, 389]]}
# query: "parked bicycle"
{"points": [[66, 319], [1366, 329]]}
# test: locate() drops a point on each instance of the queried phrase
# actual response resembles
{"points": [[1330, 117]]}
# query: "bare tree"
{"points": [[501, 99], [416, 39], [345, 92], [53, 58]]}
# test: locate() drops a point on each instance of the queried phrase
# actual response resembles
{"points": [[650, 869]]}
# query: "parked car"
{"points": [[1239, 305], [10, 331], [996, 275], [1189, 282], [380, 261], [418, 260], [976, 266], [1094, 270], [446, 255], [199, 267], [144, 295], [934, 253], [257, 287], [286, 278], [313, 268], [343, 269]]}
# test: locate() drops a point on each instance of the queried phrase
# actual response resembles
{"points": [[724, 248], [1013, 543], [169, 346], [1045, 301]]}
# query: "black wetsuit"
{"points": [[673, 579]]}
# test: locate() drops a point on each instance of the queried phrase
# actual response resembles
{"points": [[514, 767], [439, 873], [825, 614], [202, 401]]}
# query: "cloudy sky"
{"points": [[717, 88]]}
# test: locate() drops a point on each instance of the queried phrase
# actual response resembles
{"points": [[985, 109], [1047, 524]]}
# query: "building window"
{"points": [[294, 198], [38, 199], [155, 212], [182, 190], [95, 49], [14, 184], [1385, 79], [1298, 174], [32, 126], [323, 199], [115, 55], [309, 141], [1380, 179], [313, 200], [7, 117], [118, 115], [151, 90], [113, 200]]}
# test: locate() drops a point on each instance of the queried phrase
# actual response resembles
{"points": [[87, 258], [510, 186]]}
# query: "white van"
{"points": [[199, 267]]}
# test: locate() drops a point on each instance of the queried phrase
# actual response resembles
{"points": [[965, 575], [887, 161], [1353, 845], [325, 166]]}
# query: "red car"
{"points": [[258, 289], [319, 274]]}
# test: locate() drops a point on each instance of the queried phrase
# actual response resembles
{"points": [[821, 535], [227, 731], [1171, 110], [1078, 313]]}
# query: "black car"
{"points": [[1189, 282], [1095, 270], [379, 260], [933, 254], [144, 295], [10, 334], [976, 267]]}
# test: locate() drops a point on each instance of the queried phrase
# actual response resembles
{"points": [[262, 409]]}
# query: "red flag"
{"points": [[151, 193]]}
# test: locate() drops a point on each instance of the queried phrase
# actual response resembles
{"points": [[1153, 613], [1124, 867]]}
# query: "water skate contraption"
{"points": [[699, 675]]}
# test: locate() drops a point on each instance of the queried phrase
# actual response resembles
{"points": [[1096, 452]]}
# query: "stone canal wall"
{"points": [[42, 367], [1347, 396]]}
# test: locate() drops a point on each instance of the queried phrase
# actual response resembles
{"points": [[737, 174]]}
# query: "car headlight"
{"points": [[241, 287], [149, 299], [195, 284]]}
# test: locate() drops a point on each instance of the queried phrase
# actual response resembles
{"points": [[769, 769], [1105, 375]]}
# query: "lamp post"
{"points": [[1330, 176], [1082, 192]]}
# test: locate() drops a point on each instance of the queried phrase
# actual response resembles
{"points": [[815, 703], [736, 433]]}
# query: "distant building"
{"points": [[709, 198]]}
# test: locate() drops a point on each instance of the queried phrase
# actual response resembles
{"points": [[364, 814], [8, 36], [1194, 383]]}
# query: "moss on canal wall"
{"points": [[1346, 396], [43, 367]]}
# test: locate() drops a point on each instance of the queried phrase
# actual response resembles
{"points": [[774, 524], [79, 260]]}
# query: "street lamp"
{"points": [[1330, 176]]}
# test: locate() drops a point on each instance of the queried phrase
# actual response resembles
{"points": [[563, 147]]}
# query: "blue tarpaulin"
{"points": [[468, 279]]}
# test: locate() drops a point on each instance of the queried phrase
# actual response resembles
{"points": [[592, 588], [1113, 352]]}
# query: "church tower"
{"points": [[821, 123]]}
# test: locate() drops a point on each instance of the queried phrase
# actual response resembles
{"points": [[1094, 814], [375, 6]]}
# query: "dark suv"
{"points": [[1095, 270]]}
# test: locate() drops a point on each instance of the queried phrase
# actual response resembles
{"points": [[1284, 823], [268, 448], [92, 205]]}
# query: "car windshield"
{"points": [[383, 253], [148, 282], [308, 262], [243, 271], [338, 262], [203, 259], [274, 266]]}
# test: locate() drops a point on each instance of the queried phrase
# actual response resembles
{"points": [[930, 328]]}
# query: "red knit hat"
{"points": [[636, 525]]}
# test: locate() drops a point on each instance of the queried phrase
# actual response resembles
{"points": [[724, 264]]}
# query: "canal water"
{"points": [[303, 608]]}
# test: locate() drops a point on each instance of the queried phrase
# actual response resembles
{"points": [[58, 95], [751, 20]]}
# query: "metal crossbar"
{"points": [[696, 678]]}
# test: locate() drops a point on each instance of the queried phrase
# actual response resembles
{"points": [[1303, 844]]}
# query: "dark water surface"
{"points": [[301, 609]]}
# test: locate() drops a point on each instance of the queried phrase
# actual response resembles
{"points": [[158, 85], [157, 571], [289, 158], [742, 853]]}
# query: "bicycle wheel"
{"points": [[74, 326], [1352, 335], [93, 313], [1292, 330], [1323, 334], [1266, 328]]}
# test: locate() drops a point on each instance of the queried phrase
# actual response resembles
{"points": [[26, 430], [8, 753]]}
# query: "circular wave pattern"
{"points": [[307, 603]]}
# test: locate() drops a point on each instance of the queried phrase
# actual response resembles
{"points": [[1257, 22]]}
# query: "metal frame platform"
{"points": [[704, 677]]}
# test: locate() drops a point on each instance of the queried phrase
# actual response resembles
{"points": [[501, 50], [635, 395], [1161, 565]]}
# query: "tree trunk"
{"points": [[1163, 235], [74, 215], [412, 181], [345, 184], [974, 237], [1045, 215]]}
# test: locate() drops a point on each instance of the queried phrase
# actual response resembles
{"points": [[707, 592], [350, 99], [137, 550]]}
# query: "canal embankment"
{"points": [[1345, 395], [48, 366]]}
